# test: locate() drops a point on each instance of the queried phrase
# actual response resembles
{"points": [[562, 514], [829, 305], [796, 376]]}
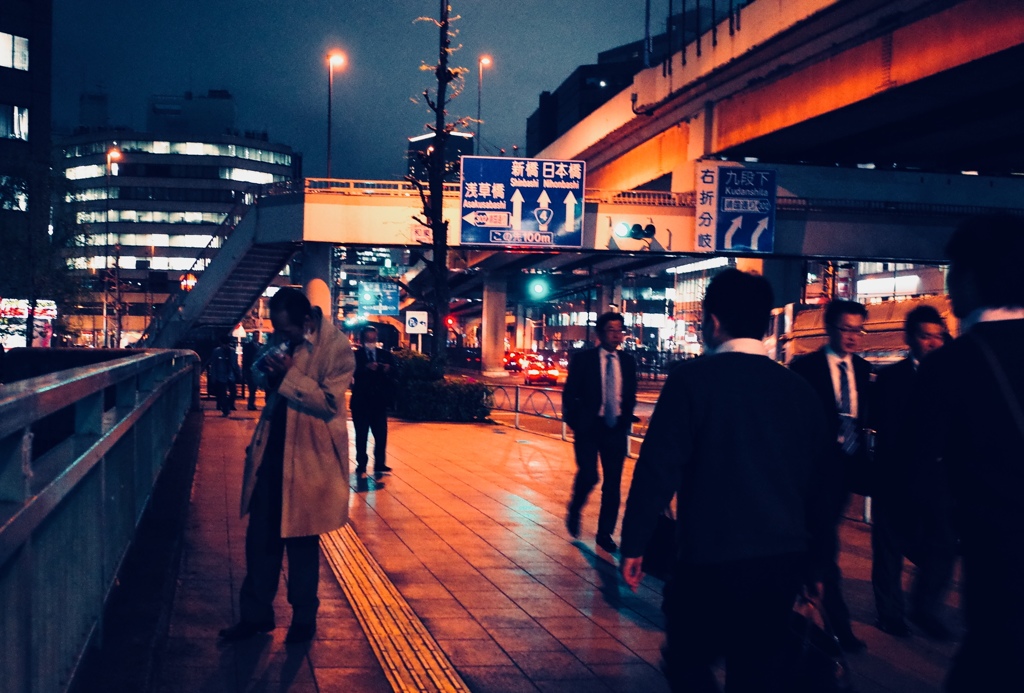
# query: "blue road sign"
{"points": [[522, 202], [378, 298], [735, 207]]}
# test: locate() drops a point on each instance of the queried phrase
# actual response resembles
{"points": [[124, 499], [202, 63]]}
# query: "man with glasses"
{"points": [[597, 404], [841, 379]]}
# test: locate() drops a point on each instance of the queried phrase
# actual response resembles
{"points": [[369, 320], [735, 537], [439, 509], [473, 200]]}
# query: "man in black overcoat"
{"points": [[841, 380], [372, 391], [597, 404], [972, 419], [898, 526]]}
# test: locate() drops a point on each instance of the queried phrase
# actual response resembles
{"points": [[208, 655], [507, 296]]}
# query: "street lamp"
{"points": [[485, 61], [334, 59], [113, 154]]}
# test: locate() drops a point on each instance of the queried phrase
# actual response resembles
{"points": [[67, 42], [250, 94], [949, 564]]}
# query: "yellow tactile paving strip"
{"points": [[411, 658]]}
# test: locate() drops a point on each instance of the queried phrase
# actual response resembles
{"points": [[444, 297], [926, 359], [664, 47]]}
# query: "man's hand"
{"points": [[278, 363], [632, 571]]}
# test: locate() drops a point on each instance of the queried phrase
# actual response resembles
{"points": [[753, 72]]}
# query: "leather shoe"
{"points": [[851, 644], [605, 542], [243, 630], [360, 472], [893, 626], [300, 632], [572, 523], [932, 627], [381, 469]]}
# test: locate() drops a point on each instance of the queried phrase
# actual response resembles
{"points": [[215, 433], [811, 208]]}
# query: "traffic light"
{"points": [[537, 288], [638, 231], [450, 321]]}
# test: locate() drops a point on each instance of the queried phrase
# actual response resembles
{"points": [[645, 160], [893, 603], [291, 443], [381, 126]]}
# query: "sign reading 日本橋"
{"points": [[522, 202], [735, 207]]}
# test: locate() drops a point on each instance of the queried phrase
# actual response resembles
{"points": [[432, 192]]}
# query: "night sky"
{"points": [[270, 55]]}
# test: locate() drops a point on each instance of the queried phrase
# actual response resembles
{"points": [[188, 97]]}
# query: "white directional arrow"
{"points": [[517, 210], [543, 200], [761, 226], [736, 224], [543, 213], [570, 212]]}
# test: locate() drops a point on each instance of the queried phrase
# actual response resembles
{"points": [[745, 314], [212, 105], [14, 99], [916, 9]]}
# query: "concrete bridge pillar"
{"points": [[316, 274], [492, 327]]}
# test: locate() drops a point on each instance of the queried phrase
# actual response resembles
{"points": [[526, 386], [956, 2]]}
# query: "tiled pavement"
{"points": [[469, 528]]}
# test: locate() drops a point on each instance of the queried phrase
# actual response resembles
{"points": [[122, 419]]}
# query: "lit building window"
{"points": [[13, 51], [13, 122], [13, 194]]}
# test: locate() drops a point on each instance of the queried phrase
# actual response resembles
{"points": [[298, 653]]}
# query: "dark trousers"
{"points": [[250, 386], [366, 420], [935, 559], [832, 601], [225, 394], [610, 444], [264, 553], [738, 610]]}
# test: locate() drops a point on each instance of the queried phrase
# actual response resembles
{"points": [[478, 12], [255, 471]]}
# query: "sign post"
{"points": [[522, 202], [735, 207]]}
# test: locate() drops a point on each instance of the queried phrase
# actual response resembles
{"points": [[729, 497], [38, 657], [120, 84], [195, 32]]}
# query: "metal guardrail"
{"points": [[536, 404], [80, 451]]}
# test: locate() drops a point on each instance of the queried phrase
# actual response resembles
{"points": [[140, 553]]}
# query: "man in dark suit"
{"points": [[372, 389], [841, 380], [893, 490], [597, 404], [753, 524], [972, 419]]}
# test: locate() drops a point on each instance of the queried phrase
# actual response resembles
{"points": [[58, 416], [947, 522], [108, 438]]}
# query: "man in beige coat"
{"points": [[296, 470]]}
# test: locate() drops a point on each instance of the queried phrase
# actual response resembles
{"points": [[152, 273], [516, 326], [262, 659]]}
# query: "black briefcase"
{"points": [[817, 664]]}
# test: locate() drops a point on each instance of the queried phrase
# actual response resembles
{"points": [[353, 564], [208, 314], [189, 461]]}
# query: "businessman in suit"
{"points": [[898, 527], [972, 419], [372, 389], [597, 404], [753, 524], [841, 380]]}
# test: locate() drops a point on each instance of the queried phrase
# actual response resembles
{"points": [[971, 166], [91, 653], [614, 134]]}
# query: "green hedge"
{"points": [[424, 394]]}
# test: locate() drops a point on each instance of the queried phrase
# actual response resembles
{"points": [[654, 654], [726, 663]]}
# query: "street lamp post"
{"points": [[485, 60], [113, 154], [334, 59]]}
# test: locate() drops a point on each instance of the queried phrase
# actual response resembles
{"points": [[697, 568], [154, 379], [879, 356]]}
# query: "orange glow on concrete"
{"points": [[652, 159]]}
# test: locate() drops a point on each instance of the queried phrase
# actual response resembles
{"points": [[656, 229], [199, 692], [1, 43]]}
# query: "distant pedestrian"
{"points": [[296, 469], [249, 350], [841, 380], [753, 520], [224, 375], [972, 419], [898, 528], [597, 404], [372, 392]]}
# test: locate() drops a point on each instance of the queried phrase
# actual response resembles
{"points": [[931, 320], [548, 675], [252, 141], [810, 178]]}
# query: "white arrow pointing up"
{"points": [[761, 226], [517, 210], [543, 200], [736, 224], [570, 212]]}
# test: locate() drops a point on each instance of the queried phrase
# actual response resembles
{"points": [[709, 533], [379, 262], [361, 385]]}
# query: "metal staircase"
{"points": [[226, 291]]}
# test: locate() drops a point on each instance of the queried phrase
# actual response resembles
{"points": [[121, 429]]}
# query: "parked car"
{"points": [[541, 372]]}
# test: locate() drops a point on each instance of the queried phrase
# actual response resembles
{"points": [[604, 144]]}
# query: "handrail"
{"points": [[80, 451]]}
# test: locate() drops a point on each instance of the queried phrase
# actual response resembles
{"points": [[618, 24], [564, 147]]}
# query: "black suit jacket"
{"points": [[372, 390], [891, 408], [814, 369], [582, 395]]}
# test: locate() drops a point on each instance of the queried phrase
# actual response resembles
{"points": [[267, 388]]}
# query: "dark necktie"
{"points": [[370, 357], [847, 424], [609, 391]]}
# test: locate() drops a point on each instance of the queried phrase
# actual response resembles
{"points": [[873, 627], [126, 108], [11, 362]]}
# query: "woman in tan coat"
{"points": [[296, 470]]}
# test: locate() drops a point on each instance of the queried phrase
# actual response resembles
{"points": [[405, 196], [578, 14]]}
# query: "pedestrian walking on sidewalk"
{"points": [[971, 424], [295, 485], [224, 375], [597, 404], [752, 523], [372, 391]]}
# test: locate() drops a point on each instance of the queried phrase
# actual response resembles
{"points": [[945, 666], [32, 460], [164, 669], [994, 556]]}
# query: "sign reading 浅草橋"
{"points": [[735, 207], [522, 202]]}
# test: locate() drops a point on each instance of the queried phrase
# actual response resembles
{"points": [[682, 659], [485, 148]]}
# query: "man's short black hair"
{"points": [[742, 302], [605, 318], [367, 329], [293, 302], [989, 248], [920, 316], [840, 307]]}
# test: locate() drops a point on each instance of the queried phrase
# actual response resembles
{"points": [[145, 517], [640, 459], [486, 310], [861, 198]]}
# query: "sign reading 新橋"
{"points": [[522, 202]]}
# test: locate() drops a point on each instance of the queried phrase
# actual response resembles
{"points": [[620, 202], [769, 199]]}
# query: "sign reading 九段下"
{"points": [[735, 207], [522, 202]]}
